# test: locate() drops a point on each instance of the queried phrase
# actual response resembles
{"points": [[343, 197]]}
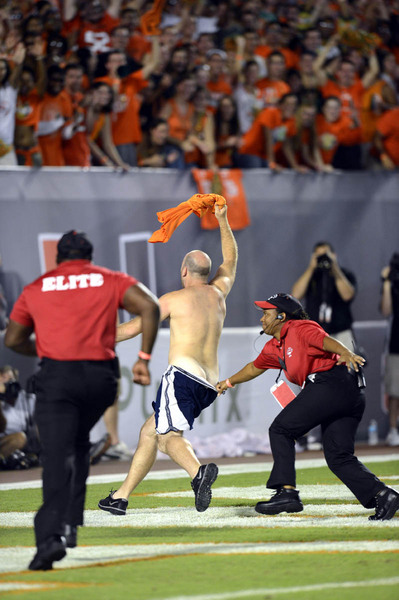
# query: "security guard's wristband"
{"points": [[229, 384], [384, 279], [144, 355]]}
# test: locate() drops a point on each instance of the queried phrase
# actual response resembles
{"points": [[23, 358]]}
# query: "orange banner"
{"points": [[228, 183]]}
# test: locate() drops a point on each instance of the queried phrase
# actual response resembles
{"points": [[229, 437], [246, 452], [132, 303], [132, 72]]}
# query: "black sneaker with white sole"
{"points": [[284, 500], [201, 485], [116, 506]]}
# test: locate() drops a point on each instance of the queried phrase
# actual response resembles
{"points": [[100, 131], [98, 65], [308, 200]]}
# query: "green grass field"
{"points": [[164, 549]]}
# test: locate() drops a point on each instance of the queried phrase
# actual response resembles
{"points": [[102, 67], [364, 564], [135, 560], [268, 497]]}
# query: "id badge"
{"points": [[282, 393]]}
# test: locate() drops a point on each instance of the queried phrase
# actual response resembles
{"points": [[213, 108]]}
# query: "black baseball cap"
{"points": [[283, 302], [74, 245]]}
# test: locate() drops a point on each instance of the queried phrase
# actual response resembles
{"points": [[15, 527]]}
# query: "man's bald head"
{"points": [[198, 264]]}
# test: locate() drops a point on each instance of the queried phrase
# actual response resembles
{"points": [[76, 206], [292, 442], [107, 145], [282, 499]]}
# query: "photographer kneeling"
{"points": [[19, 444]]}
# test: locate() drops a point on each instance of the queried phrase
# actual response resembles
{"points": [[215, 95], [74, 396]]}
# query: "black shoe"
{"points": [[71, 536], [386, 505], [98, 449], [115, 506], [48, 552], [284, 500], [201, 485]]}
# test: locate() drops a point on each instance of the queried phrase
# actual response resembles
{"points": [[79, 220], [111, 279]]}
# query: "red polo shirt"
{"points": [[73, 310], [301, 348]]}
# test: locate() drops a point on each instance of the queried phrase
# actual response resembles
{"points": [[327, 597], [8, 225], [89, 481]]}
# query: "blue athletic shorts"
{"points": [[180, 399]]}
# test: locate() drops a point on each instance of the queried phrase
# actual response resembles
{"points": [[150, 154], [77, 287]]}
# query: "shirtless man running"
{"points": [[196, 313]]}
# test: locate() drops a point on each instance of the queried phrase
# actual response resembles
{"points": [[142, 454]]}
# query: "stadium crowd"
{"points": [[306, 85]]}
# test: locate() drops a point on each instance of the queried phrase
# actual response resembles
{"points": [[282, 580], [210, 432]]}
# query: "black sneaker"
{"points": [[51, 550], [284, 500], [115, 506], [71, 536], [386, 505], [201, 485]]}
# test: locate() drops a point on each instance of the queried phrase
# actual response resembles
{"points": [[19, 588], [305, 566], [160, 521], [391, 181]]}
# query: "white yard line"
{"points": [[16, 559], [223, 470], [321, 516], [286, 590]]}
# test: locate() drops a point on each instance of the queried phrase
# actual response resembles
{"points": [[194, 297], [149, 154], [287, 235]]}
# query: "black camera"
{"points": [[394, 269], [324, 262], [12, 389]]}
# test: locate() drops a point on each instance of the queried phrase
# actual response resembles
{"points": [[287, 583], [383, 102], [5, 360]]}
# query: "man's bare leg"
{"points": [[142, 461], [180, 451], [111, 422]]}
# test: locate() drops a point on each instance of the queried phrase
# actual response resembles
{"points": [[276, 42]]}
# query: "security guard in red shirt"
{"points": [[332, 396], [72, 310]]}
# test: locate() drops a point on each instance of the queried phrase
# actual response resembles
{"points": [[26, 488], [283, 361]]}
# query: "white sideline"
{"points": [[223, 470], [17, 558], [313, 515]]}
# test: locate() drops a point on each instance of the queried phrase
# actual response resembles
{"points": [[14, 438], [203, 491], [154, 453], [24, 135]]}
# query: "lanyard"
{"points": [[282, 363]]}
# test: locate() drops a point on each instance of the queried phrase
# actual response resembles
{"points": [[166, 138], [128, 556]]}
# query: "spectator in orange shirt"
{"points": [[265, 143], [179, 111], [273, 87], [138, 45], [27, 117], [120, 36], [336, 130], [52, 119], [99, 101], [126, 128], [75, 145], [91, 23], [227, 133], [202, 134], [347, 87], [387, 138], [304, 142], [31, 90], [274, 43], [218, 84]]}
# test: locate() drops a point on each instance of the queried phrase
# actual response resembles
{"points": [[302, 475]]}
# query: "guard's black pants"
{"points": [[335, 402], [70, 398]]}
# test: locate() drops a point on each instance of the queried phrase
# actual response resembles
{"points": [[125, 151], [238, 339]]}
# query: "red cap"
{"points": [[283, 302]]}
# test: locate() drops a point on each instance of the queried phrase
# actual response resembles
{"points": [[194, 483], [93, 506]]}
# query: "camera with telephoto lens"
{"points": [[324, 262], [394, 270], [12, 389]]}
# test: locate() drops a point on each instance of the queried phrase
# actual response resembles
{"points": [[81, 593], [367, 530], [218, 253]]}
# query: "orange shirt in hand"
{"points": [[254, 141]]}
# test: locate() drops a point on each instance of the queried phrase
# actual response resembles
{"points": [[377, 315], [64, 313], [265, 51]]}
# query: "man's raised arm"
{"points": [[226, 273]]}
